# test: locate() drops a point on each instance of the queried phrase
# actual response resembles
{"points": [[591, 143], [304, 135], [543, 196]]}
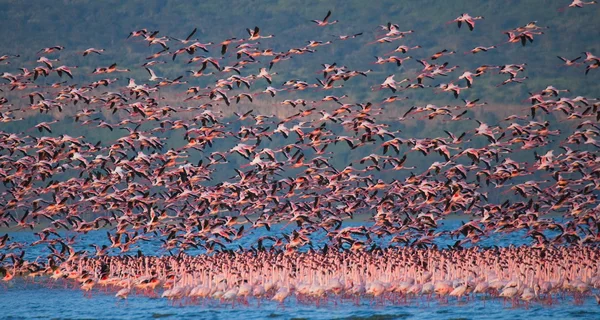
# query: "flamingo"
{"points": [[569, 62], [324, 22], [466, 18], [153, 76], [580, 3]]}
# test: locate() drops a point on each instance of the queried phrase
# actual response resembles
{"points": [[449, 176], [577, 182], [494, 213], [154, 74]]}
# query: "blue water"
{"points": [[35, 301], [153, 247], [21, 299]]}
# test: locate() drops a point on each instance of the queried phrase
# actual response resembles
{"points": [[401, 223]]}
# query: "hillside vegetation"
{"points": [[171, 142]]}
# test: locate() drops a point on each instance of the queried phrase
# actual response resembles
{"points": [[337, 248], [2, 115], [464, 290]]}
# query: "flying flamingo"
{"points": [[324, 21]]}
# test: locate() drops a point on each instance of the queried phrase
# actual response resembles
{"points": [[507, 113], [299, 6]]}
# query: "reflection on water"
{"points": [[45, 299], [22, 300]]}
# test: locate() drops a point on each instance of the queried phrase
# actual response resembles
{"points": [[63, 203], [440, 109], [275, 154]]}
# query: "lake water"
{"points": [[35, 301], [20, 299], [153, 247]]}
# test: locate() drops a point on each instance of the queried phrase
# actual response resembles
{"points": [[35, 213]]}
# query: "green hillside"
{"points": [[114, 135]]}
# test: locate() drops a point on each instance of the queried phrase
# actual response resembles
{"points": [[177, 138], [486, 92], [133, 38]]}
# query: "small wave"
{"points": [[380, 317], [161, 315], [583, 314]]}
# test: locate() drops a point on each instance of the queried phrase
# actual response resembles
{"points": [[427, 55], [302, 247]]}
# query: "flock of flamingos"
{"points": [[137, 189]]}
